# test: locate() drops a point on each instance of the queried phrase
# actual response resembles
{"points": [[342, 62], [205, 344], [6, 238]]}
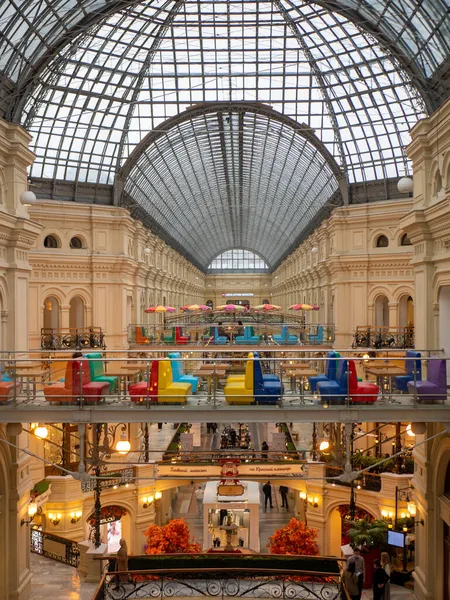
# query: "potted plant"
{"points": [[370, 536]]}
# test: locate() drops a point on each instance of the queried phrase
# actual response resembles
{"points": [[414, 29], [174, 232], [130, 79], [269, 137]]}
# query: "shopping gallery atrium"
{"points": [[224, 299]]}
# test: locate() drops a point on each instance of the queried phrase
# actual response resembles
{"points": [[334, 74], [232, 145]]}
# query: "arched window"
{"points": [[76, 243], [405, 241], [382, 242], [51, 242], [238, 260]]}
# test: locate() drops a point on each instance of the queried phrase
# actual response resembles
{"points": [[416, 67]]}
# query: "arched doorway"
{"points": [[51, 313], [76, 313], [114, 525], [382, 311], [406, 311], [338, 524]]}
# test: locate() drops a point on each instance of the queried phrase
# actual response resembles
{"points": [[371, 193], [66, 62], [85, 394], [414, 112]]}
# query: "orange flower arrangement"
{"points": [[170, 538], [294, 538]]}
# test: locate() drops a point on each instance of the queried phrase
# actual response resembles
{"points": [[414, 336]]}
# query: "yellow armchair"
{"points": [[241, 392], [170, 392]]}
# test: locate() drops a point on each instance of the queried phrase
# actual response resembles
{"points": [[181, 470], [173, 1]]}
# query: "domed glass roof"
{"points": [[92, 81]]}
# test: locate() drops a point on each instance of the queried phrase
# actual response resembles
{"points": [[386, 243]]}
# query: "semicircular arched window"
{"points": [[238, 259], [382, 242], [405, 241], [51, 241]]}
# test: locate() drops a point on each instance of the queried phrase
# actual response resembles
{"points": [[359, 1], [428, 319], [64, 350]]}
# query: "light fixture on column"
{"points": [[412, 509], [28, 198], [147, 501], [41, 431], [32, 510], [405, 185], [54, 518], [158, 495], [313, 501], [409, 431], [75, 516]]}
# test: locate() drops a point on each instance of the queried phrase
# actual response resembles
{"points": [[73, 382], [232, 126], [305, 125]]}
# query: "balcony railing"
{"points": [[249, 581], [202, 334], [72, 338], [367, 336], [54, 547], [57, 386]]}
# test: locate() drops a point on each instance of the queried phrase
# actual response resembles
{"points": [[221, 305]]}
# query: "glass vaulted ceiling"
{"points": [[126, 74]]}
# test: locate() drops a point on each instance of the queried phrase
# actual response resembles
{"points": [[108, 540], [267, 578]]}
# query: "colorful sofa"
{"points": [[284, 338], [160, 388], [347, 385], [241, 392], [316, 338], [215, 338], [412, 363], [176, 337], [8, 388], [97, 371], [434, 388], [178, 371], [240, 378], [140, 335], [266, 391], [247, 338], [77, 384], [331, 369]]}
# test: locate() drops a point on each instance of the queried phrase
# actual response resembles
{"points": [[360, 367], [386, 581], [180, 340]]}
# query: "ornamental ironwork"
{"points": [[292, 586], [69, 553], [72, 339]]}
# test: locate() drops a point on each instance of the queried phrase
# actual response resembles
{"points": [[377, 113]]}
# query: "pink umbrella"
{"points": [[231, 308], [160, 309]]}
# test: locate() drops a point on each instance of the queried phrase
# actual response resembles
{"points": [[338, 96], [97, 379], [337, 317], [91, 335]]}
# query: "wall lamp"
{"points": [[33, 510], [158, 495], [75, 516], [313, 501], [54, 518], [420, 522], [147, 501]]}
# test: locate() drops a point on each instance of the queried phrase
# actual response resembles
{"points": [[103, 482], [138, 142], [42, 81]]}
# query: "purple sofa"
{"points": [[434, 389]]}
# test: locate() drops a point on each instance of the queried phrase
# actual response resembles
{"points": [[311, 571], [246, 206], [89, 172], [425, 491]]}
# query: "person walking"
{"points": [[386, 564], [360, 569], [199, 494], [284, 500], [380, 579], [267, 491], [350, 581]]}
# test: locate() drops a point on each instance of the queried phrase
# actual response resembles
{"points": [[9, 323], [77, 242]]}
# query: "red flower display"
{"points": [[170, 538], [108, 514], [294, 538]]}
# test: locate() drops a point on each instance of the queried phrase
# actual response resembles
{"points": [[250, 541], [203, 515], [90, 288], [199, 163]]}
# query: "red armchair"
{"points": [[8, 389], [77, 384], [361, 392], [179, 338]]}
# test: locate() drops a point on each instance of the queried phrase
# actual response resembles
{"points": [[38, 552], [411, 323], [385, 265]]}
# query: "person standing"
{"points": [[350, 581], [385, 563], [267, 491], [265, 448], [284, 500], [199, 494], [379, 580], [122, 563], [360, 568]]}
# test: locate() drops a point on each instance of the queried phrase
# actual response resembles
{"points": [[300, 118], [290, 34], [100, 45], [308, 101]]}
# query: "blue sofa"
{"points": [[178, 371], [335, 391], [247, 338], [284, 338], [412, 363], [215, 338], [330, 371], [316, 338], [265, 391]]}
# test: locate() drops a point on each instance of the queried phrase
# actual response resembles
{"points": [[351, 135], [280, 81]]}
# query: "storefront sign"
{"points": [[238, 295], [230, 490], [280, 470], [244, 470], [188, 470]]}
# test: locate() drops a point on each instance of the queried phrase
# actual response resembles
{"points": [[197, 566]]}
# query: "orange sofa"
{"points": [[77, 385]]}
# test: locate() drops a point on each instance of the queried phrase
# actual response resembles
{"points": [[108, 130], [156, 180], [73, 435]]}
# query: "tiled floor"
{"points": [[54, 581]]}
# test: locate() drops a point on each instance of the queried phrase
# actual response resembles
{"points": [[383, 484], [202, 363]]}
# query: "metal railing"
{"points": [[371, 336], [72, 338], [55, 547], [201, 334], [247, 582], [42, 383]]}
